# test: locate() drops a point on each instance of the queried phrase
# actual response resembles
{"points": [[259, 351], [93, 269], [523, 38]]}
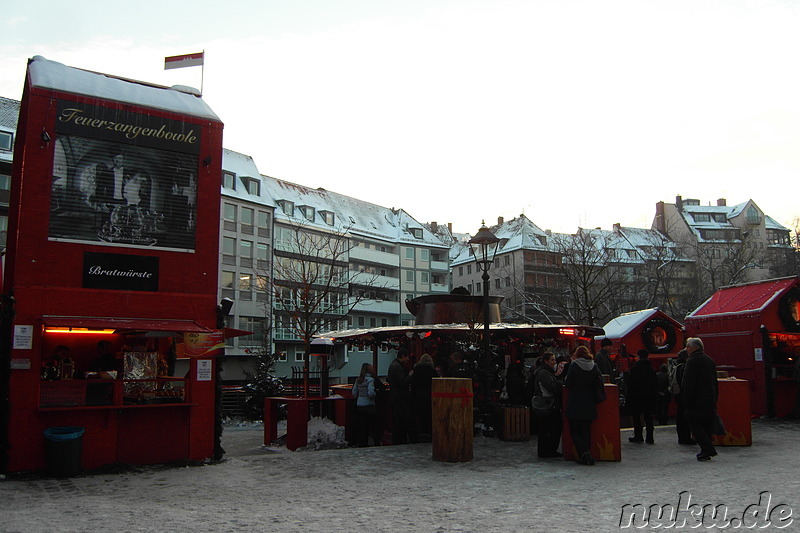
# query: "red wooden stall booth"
{"points": [[111, 269], [752, 331]]}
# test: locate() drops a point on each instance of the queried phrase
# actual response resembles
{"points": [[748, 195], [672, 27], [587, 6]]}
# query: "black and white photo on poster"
{"points": [[122, 194]]}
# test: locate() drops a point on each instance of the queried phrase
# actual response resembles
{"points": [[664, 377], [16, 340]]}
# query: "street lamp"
{"points": [[484, 248]]}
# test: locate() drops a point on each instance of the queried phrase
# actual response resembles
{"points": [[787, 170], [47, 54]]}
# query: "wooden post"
{"points": [[451, 403]]}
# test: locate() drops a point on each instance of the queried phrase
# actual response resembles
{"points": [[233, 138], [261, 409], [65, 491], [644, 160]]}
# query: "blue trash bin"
{"points": [[63, 447]]}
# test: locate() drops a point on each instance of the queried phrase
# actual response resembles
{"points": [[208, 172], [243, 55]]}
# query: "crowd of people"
{"points": [[648, 394]]}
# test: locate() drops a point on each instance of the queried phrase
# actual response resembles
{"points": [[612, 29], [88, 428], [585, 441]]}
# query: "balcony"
{"points": [[372, 280], [438, 288], [378, 306], [440, 266], [359, 253]]}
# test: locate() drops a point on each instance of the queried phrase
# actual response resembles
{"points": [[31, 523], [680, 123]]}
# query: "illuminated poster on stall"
{"points": [[123, 179]]}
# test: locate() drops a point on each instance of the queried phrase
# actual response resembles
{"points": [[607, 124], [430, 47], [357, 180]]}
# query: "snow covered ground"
{"points": [[400, 488]]}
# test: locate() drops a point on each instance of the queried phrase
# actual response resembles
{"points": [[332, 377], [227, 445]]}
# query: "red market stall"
{"points": [[649, 329], [752, 331], [108, 284]]}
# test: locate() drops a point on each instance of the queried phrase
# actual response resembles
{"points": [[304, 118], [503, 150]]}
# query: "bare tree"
{"points": [[312, 284], [589, 276]]}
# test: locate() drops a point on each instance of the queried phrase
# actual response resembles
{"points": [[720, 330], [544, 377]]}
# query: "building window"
{"points": [[247, 216], [228, 180], [328, 216], [252, 185], [416, 232], [245, 282], [308, 213], [254, 324], [262, 251], [424, 277], [5, 182], [246, 249], [298, 356], [264, 219], [497, 283], [753, 216], [282, 357], [6, 140], [262, 283], [409, 275], [287, 207], [229, 212], [461, 271], [701, 217], [424, 254], [229, 246], [384, 322], [469, 270], [409, 253], [373, 322], [507, 260], [508, 281], [226, 279], [361, 322]]}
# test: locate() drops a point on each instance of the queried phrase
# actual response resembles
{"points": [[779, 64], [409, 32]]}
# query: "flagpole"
{"points": [[202, 72]]}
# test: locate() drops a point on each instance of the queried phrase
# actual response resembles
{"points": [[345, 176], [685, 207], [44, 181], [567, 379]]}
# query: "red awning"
{"points": [[232, 332], [746, 298], [124, 324]]}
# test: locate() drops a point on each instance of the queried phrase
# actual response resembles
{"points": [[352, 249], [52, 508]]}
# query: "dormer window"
{"points": [[252, 185], [6, 140], [287, 207], [308, 212], [701, 217], [328, 216], [416, 232], [228, 180]]}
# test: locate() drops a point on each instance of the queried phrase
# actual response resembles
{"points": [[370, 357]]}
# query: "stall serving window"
{"points": [[784, 355], [85, 367]]}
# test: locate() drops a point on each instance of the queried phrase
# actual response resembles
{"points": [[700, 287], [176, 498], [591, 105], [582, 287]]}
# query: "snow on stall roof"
{"points": [[618, 327], [59, 77]]}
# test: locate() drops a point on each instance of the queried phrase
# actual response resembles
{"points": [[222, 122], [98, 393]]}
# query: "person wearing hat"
{"points": [[404, 426], [603, 358]]}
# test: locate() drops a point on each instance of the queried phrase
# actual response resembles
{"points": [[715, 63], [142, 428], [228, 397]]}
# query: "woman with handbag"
{"points": [[366, 410], [547, 406], [585, 383]]}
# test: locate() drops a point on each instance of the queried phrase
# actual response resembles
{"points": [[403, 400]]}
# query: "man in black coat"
{"points": [[642, 396], [603, 359], [699, 395], [404, 426]]}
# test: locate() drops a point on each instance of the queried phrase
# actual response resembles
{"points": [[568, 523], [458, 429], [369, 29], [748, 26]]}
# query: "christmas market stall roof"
{"points": [[499, 331], [745, 299]]}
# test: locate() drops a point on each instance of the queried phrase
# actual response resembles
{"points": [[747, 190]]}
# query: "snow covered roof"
{"points": [[9, 114], [619, 327], [56, 76], [519, 233], [243, 166], [357, 217]]}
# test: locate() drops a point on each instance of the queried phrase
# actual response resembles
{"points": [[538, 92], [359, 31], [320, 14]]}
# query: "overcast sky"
{"points": [[576, 113]]}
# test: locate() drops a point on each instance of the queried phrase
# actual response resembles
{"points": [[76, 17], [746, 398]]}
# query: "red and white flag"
{"points": [[186, 60]]}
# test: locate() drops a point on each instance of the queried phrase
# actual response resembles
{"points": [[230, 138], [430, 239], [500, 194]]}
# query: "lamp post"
{"points": [[484, 247]]}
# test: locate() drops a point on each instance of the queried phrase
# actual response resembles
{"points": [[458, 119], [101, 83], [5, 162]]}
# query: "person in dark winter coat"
{"points": [[699, 392], [421, 384], [404, 425], [642, 396], [515, 383], [664, 396], [583, 379], [603, 359], [546, 384], [681, 425]]}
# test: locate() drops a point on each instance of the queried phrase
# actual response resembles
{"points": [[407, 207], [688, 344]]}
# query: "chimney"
{"points": [[660, 222], [450, 227], [499, 221], [434, 227], [617, 227], [548, 232], [721, 202], [679, 203]]}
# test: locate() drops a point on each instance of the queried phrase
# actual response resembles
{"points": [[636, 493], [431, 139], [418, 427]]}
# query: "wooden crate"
{"points": [[516, 424]]}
